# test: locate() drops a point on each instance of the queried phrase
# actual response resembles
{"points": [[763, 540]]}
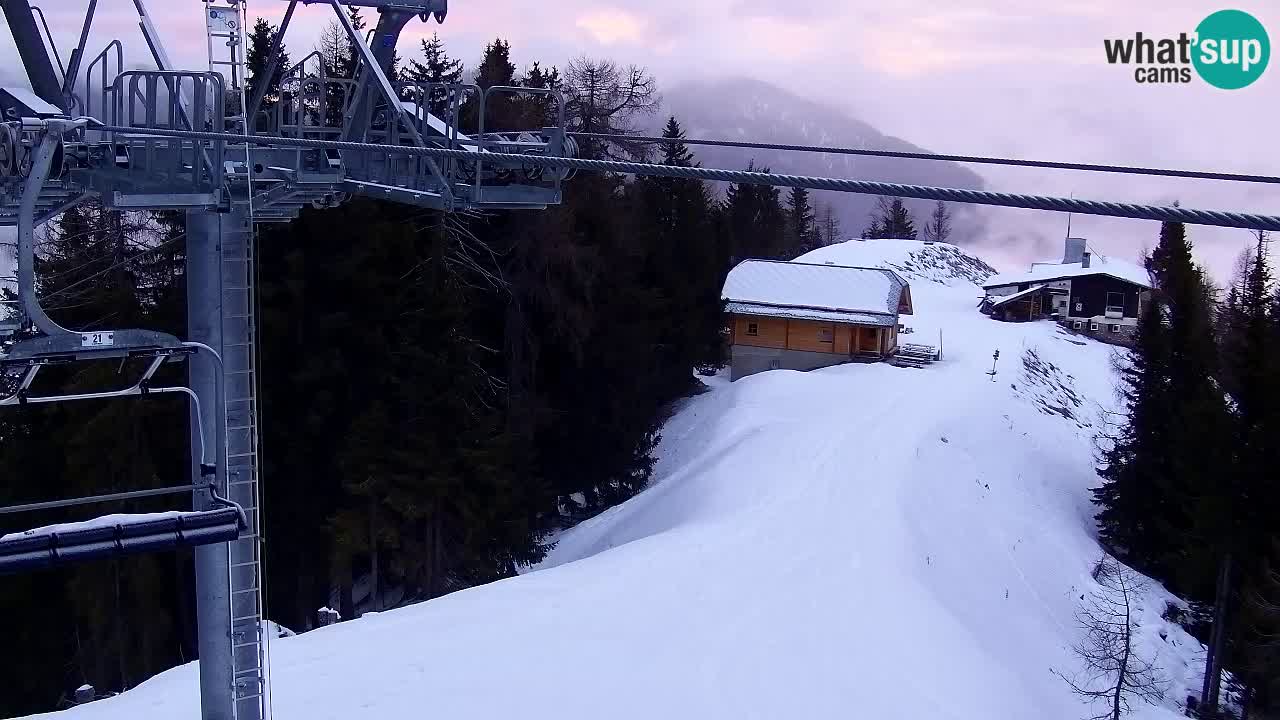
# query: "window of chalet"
{"points": [[826, 335], [753, 328], [869, 335], [1115, 302]]}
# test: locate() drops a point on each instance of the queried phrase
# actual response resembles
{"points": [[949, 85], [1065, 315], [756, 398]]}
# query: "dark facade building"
{"points": [[1087, 293]]}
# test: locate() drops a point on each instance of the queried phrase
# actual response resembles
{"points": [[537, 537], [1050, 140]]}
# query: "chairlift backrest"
{"points": [[116, 536]]}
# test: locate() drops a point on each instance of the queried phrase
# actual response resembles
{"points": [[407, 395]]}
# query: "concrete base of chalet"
{"points": [[749, 360], [1125, 336]]}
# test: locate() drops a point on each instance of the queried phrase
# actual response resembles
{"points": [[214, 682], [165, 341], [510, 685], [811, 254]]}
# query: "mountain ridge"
{"points": [[748, 109]]}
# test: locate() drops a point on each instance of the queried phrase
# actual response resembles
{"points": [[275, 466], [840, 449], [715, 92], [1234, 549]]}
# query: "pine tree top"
{"points": [[676, 154]]}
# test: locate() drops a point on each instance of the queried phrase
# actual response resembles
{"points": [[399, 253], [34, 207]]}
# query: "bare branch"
{"points": [[1112, 671]]}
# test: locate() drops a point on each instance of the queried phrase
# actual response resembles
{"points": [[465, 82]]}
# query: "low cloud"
{"points": [[612, 26], [997, 77]]}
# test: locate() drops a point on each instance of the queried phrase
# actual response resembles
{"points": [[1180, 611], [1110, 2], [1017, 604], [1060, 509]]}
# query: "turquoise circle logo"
{"points": [[1232, 49]]}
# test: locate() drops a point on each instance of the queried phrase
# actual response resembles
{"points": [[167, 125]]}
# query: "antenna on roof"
{"points": [[1073, 197]]}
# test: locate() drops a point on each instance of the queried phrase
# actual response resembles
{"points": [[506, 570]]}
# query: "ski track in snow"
{"points": [[858, 541]]}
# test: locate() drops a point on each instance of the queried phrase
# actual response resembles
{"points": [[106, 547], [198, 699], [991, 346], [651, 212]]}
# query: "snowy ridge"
{"points": [[914, 260], [858, 541]]}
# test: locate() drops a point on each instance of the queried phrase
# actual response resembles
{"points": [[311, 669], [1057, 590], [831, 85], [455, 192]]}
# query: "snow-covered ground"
{"points": [[858, 541]]}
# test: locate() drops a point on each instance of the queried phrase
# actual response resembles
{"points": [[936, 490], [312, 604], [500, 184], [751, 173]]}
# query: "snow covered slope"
{"points": [[859, 541]]}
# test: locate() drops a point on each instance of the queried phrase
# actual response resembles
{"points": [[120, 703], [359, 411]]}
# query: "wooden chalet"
{"points": [[801, 316]]}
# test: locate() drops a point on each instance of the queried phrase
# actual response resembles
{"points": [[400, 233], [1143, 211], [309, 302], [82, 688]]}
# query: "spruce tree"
{"points": [[501, 112], [1136, 505], [755, 221], [436, 68], [1162, 501], [349, 61], [539, 110], [1251, 363], [891, 219], [96, 271], [256, 60], [674, 222], [1259, 662], [897, 223], [496, 67], [801, 233], [1250, 356]]}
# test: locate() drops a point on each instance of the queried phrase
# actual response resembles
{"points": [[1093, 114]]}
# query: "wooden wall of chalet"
{"points": [[811, 336], [770, 332], [844, 339]]}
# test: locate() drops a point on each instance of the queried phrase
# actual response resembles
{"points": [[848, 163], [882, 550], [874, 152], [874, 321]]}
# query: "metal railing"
{"points": [[171, 100]]}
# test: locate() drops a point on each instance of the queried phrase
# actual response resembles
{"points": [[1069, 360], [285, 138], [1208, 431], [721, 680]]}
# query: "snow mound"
{"points": [[913, 259], [857, 541]]}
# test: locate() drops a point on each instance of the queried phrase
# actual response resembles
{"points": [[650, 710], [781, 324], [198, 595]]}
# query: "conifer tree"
{"points": [[891, 219], [256, 60], [539, 110], [1259, 663], [1251, 364], [496, 67], [436, 67], [1162, 509], [501, 112], [96, 271], [674, 224], [1250, 355], [801, 233], [755, 221], [1135, 502], [349, 60]]}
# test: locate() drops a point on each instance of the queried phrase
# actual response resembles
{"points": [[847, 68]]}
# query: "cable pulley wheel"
{"points": [[533, 173], [8, 151], [22, 159]]}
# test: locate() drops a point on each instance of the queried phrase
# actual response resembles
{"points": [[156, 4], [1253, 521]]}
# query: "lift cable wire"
{"points": [[132, 258], [1089, 167], [1192, 216]]}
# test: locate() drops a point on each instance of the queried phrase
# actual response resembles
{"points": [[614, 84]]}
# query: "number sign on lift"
{"points": [[97, 339]]}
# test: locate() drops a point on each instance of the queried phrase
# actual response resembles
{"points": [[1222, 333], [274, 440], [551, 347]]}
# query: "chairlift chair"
{"points": [[117, 536]]}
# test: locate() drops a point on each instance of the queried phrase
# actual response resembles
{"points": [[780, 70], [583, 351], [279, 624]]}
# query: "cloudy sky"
{"points": [[1000, 77]]}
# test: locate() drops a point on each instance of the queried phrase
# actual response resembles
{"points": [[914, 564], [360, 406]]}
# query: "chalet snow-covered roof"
{"points": [[799, 313], [812, 291], [1098, 265]]}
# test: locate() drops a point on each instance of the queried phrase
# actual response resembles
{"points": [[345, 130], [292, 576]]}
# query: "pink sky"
{"points": [[1001, 77]]}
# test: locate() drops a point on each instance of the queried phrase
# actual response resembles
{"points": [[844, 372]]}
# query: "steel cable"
{"points": [[978, 159], [1193, 216]]}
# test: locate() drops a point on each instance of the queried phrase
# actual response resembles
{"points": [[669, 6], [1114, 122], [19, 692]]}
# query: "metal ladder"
{"points": [[225, 25], [224, 22], [240, 380]]}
